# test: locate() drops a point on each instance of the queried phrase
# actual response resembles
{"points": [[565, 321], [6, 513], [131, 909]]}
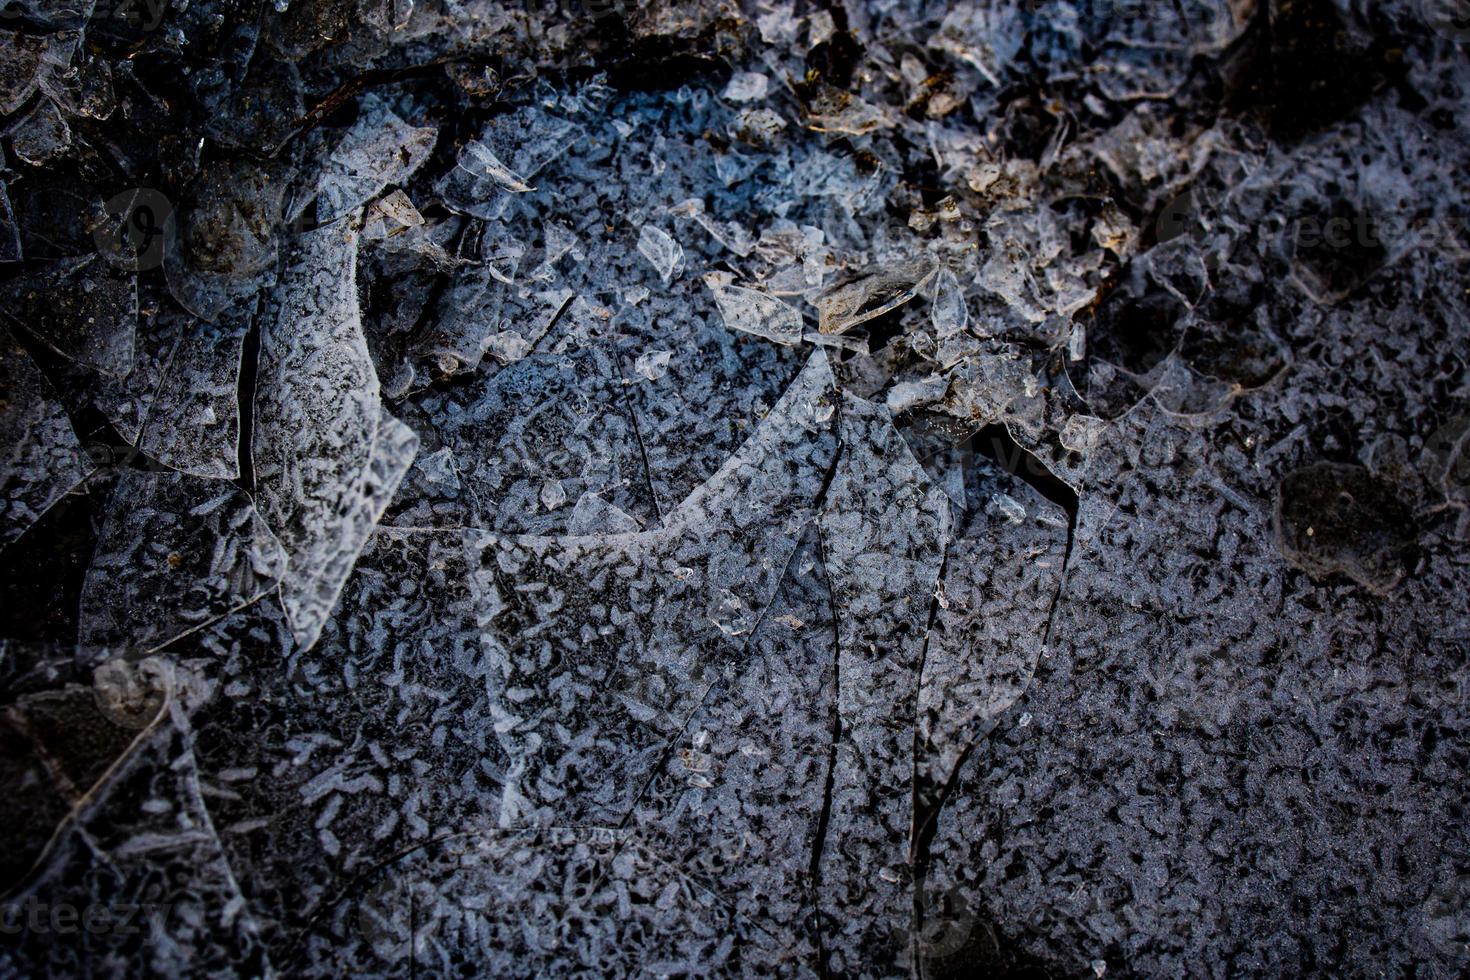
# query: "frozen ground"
{"points": [[819, 489]]}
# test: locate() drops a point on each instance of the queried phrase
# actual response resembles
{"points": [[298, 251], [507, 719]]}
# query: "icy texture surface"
{"points": [[751, 488], [175, 554]]}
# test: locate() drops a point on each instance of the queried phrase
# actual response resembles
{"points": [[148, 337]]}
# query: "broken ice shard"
{"points": [[327, 456], [754, 312]]}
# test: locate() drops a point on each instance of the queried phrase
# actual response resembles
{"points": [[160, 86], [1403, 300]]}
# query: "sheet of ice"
{"points": [[738, 802], [948, 313], [127, 402], [379, 150], [40, 456], [712, 398], [627, 634], [82, 308], [175, 553], [884, 529], [1002, 576], [327, 456], [194, 424], [531, 439]]}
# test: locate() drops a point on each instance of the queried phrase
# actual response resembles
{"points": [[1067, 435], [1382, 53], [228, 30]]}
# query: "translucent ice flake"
{"points": [[948, 313], [380, 149], [754, 312], [175, 553], [662, 252], [988, 38], [730, 234], [194, 422], [746, 86], [40, 457], [906, 395], [513, 149], [871, 295], [82, 308], [390, 215], [42, 134], [653, 365], [834, 110], [327, 457]]}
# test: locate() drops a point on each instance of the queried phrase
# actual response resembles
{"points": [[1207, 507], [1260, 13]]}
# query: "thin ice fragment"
{"points": [[194, 424], [40, 456], [871, 295], [327, 456], [129, 789], [738, 803], [1002, 576], [662, 251], [949, 313], [380, 149], [709, 402], [754, 312], [82, 308], [176, 553], [650, 651], [885, 529], [746, 86], [513, 149], [389, 216], [127, 402], [654, 364]]}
